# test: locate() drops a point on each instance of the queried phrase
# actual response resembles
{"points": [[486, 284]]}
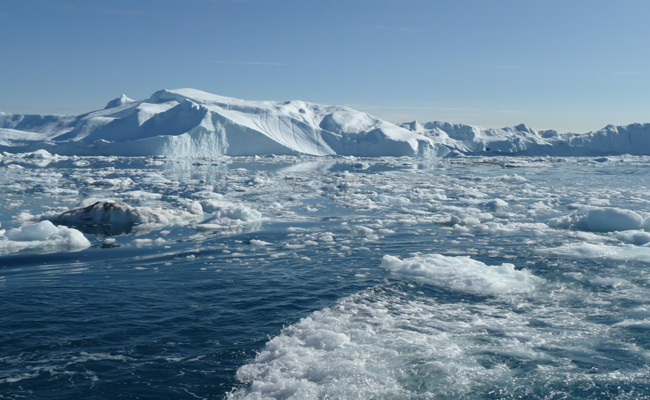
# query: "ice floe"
{"points": [[463, 273]]}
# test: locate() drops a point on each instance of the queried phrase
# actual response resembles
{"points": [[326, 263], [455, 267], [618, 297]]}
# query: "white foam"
{"points": [[463, 273], [386, 343]]}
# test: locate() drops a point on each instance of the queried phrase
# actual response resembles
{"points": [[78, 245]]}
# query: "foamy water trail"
{"points": [[418, 341]]}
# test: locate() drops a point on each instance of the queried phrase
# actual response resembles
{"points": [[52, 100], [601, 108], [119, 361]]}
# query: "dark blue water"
{"points": [[179, 319]]}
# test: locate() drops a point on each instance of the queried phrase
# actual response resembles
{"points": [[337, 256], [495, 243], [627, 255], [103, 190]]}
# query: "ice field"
{"points": [[324, 277]]}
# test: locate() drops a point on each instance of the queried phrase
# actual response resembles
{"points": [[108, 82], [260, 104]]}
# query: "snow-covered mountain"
{"points": [[189, 122]]}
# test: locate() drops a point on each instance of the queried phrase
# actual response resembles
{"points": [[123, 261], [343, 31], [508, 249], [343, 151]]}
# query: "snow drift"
{"points": [[188, 122]]}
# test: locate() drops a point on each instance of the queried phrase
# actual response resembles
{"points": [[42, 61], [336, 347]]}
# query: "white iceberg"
{"points": [[44, 237], [113, 217], [189, 122], [522, 140]]}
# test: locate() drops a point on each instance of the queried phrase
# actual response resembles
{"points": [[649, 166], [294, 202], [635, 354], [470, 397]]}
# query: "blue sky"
{"points": [[565, 65]]}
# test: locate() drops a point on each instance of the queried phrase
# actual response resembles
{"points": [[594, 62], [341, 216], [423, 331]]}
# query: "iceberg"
{"points": [[189, 122], [44, 237], [114, 217], [521, 140]]}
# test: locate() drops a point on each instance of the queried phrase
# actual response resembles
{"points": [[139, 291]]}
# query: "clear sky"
{"points": [[565, 65]]}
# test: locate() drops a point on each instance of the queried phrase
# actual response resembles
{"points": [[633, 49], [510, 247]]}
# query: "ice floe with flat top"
{"points": [[463, 274], [42, 237]]}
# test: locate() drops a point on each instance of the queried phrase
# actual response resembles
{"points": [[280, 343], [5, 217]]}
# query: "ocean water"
{"points": [[388, 278]]}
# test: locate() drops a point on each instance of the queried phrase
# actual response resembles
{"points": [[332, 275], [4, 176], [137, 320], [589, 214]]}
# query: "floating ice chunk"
{"points": [[120, 216], [226, 209], [39, 231], [143, 195], [612, 219], [638, 238], [229, 217], [454, 220], [393, 200], [591, 250], [38, 158], [496, 204], [463, 273], [599, 219], [43, 237], [195, 208]]}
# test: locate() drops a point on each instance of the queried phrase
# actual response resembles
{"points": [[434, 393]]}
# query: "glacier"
{"points": [[193, 123]]}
